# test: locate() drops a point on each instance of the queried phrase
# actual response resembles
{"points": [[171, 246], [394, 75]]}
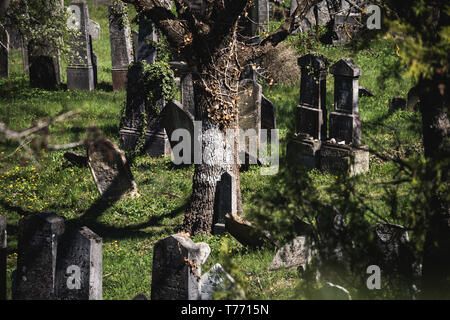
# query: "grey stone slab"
{"points": [[94, 29], [225, 201], [343, 159], [292, 255], [3, 253], [176, 269], [268, 114], [38, 239], [310, 121], [187, 92], [146, 37], [110, 170], [79, 266], [303, 150], [244, 232], [214, 281]]}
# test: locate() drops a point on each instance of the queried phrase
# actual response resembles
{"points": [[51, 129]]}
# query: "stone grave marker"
{"points": [[146, 37], [176, 272], [135, 39], [110, 170], [3, 251], [215, 280], [80, 72], [345, 27], [268, 116], [38, 239], [4, 52], [296, 253], [246, 233], [225, 202], [94, 29], [121, 48], [79, 266]]}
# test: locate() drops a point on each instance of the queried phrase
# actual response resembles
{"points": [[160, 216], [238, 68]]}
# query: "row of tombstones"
{"points": [[58, 264], [340, 150]]}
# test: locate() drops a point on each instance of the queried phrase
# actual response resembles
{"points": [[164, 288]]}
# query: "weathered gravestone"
{"points": [[3, 250], [110, 170], [311, 113], [257, 20], [38, 239], [343, 153], [244, 232], [135, 39], [181, 70], [146, 38], [4, 52], [319, 14], [224, 202], [216, 280], [80, 72], [294, 254], [121, 49], [79, 266], [268, 116], [176, 269], [174, 117], [345, 27], [249, 105], [94, 29]]}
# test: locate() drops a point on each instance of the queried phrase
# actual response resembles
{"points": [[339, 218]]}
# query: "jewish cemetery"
{"points": [[224, 150]]}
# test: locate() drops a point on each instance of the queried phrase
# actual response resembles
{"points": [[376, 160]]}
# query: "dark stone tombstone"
{"points": [[175, 117], [121, 49], [80, 72], [345, 28], [4, 52], [38, 239], [268, 116], [3, 250], [79, 266], [225, 202], [345, 124], [42, 72], [249, 104], [146, 48], [260, 16], [187, 92], [110, 170], [176, 269]]}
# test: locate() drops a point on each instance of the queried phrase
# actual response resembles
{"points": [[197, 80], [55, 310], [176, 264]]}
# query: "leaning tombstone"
{"points": [[343, 152], [247, 234], [120, 39], [38, 239], [311, 115], [94, 29], [4, 52], [110, 170], [3, 249], [80, 72], [214, 282], [176, 272], [224, 202], [79, 266]]}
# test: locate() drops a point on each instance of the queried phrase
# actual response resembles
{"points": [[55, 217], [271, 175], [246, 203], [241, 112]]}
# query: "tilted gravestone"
{"points": [[110, 170], [176, 272], [249, 105], [80, 72], [38, 239], [225, 202], [79, 266], [94, 29], [4, 52], [311, 113], [121, 49], [343, 152], [175, 117], [214, 281], [3, 250]]}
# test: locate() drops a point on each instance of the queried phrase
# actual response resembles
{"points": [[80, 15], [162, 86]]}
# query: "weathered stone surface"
{"points": [[343, 159], [175, 117], [213, 281], [3, 250], [43, 72], [146, 50], [364, 92], [304, 150], [225, 201], [79, 266], [245, 232], [345, 25], [187, 92], [110, 170], [268, 115], [38, 239], [176, 269], [345, 127], [397, 104], [135, 39], [121, 48], [4, 52], [80, 72], [322, 17], [94, 29], [293, 254]]}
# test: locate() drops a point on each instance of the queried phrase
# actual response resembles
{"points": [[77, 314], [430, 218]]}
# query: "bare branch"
{"points": [[72, 145]]}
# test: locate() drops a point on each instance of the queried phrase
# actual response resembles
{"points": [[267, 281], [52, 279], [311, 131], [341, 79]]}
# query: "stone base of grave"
{"points": [[219, 229], [156, 143], [81, 78], [303, 149], [119, 79], [343, 159]]}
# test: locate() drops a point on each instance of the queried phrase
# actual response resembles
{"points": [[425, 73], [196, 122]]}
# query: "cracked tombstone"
{"points": [[216, 280], [121, 48], [110, 170], [177, 262], [38, 238], [3, 250], [79, 266]]}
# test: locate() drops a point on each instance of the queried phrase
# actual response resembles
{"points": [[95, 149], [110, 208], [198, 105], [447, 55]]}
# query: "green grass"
{"points": [[130, 228]]}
